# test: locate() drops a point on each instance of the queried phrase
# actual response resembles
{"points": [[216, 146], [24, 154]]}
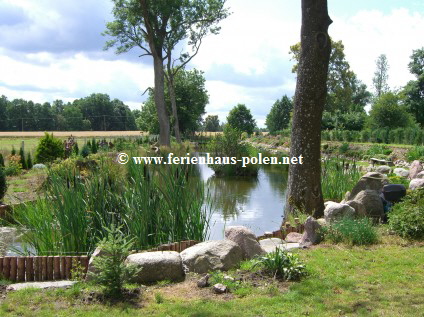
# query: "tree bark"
{"points": [[304, 185], [171, 87], [164, 134], [156, 41]]}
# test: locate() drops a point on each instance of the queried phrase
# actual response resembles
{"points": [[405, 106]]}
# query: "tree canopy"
{"points": [[279, 116], [212, 124], [241, 119], [381, 76]]}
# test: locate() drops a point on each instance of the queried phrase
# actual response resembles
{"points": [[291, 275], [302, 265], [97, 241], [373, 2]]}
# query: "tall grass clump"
{"points": [[351, 231], [415, 153], [337, 178], [151, 204]]}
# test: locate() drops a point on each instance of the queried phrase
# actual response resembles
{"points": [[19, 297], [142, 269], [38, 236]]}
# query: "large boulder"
{"points": [[416, 183], [415, 168], [370, 181], [384, 169], [401, 172], [372, 203], [212, 255], [359, 208], [335, 211], [293, 237], [246, 239], [157, 266], [420, 175], [311, 235], [271, 244]]}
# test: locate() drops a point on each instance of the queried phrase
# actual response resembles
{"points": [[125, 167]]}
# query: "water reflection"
{"points": [[257, 203]]}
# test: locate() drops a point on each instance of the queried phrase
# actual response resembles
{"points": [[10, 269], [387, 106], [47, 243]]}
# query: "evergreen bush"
{"points": [[48, 149]]}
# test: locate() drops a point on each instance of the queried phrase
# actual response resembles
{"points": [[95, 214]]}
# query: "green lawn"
{"points": [[383, 280]]}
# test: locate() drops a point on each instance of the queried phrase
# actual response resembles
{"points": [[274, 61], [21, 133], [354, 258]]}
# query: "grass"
{"points": [[381, 280]]}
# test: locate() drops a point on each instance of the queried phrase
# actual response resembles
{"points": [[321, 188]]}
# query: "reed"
{"points": [[152, 204], [338, 177]]}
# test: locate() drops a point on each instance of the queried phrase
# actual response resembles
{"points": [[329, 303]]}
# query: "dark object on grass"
{"points": [[394, 192], [204, 281]]}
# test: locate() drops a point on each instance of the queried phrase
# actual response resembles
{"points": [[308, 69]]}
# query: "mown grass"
{"points": [[382, 280]]}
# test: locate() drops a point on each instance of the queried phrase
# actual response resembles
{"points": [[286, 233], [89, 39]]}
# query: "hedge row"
{"points": [[413, 136]]}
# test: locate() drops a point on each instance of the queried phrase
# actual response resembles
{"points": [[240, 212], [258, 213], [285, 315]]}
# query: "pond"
{"points": [[254, 202]]}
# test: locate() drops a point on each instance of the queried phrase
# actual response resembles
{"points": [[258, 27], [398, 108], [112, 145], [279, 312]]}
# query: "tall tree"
{"points": [[381, 75], [241, 119], [195, 25], [304, 184], [279, 116], [156, 27], [212, 124], [414, 90]]}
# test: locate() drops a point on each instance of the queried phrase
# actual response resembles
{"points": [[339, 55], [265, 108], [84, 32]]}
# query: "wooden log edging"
{"points": [[54, 268], [40, 268], [284, 231]]}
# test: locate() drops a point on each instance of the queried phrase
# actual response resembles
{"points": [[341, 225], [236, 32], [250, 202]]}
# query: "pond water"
{"points": [[254, 202]]}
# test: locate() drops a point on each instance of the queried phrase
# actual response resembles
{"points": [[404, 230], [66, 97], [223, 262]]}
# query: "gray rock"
{"points": [[40, 285], [203, 281], [311, 234], [335, 211], [370, 181], [293, 237], [416, 183], [219, 288], [272, 244], [401, 172], [372, 203], [420, 175], [269, 245], [384, 169], [246, 239], [359, 208], [157, 266], [415, 168], [212, 255]]}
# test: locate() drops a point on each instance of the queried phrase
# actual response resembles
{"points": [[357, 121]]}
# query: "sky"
{"points": [[53, 49]]}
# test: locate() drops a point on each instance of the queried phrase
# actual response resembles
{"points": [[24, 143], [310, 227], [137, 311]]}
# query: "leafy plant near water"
{"points": [[230, 144], [337, 178], [152, 204], [282, 264], [112, 273], [407, 217], [351, 231]]}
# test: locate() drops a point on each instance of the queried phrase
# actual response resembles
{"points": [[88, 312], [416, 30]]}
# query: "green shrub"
{"points": [[85, 151], [112, 272], [29, 161], [415, 153], [407, 217], [282, 264], [3, 183], [394, 179], [377, 149], [1, 160], [13, 153], [351, 231], [14, 166], [22, 161], [48, 149], [344, 148]]}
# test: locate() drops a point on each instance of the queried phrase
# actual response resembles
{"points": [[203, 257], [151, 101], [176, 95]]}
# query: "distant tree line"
{"points": [[96, 112]]}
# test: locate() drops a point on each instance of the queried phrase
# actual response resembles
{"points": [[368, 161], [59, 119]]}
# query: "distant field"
{"points": [[78, 134]]}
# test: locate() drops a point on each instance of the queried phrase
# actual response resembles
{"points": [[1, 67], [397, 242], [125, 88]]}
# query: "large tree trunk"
{"points": [[164, 135], [304, 187], [171, 88]]}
